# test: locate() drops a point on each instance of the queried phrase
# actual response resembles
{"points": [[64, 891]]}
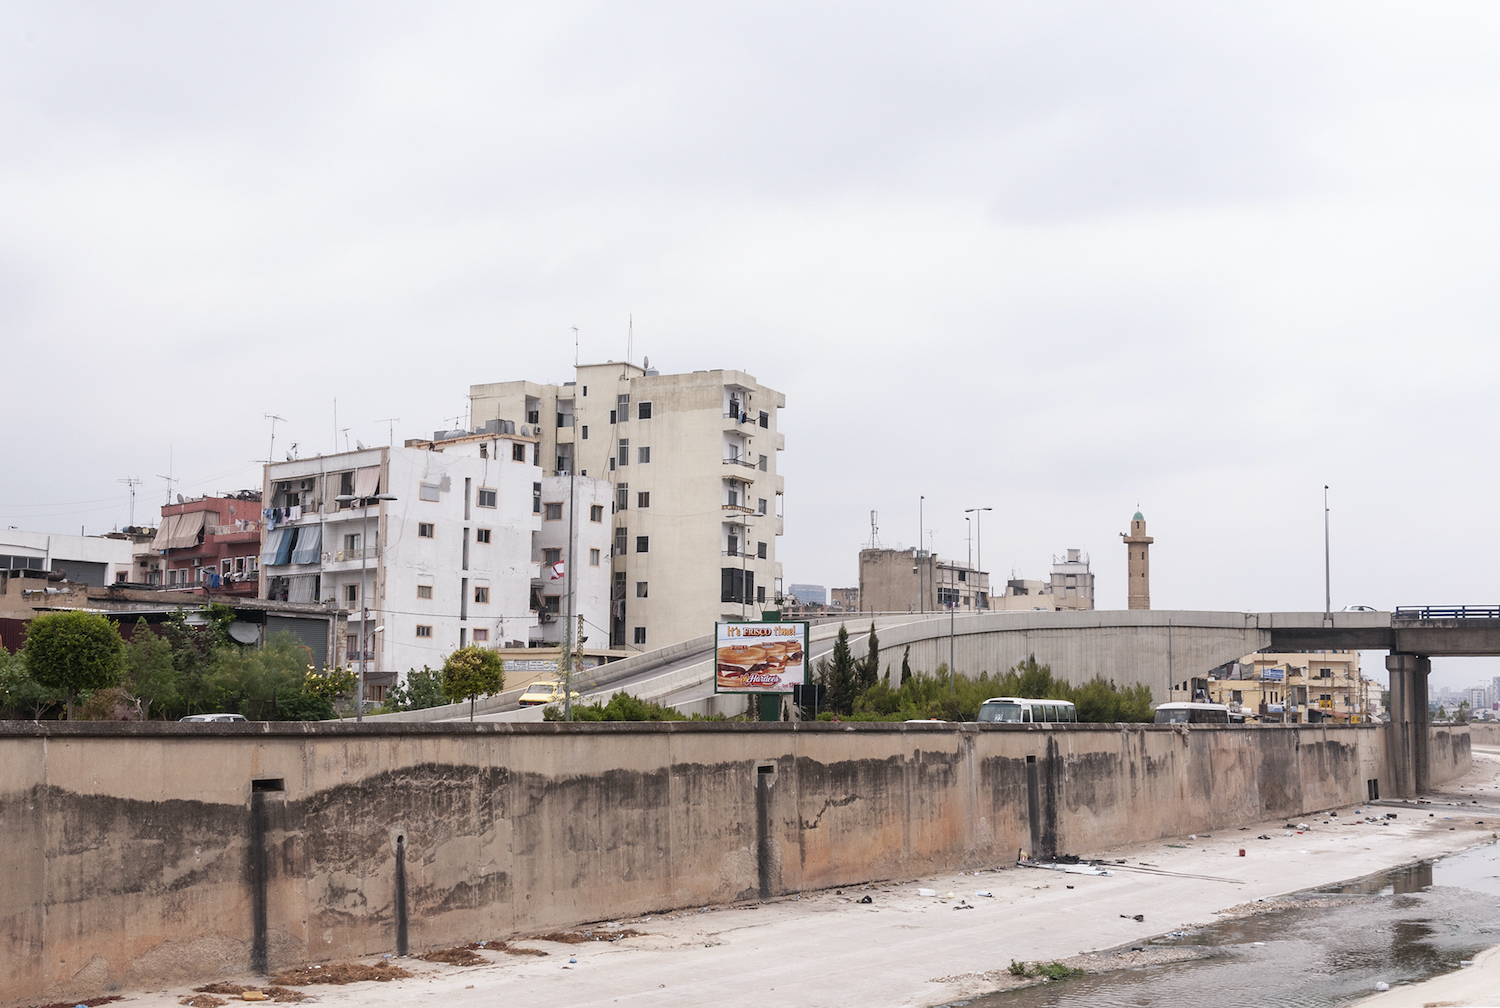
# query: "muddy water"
{"points": [[1406, 924]]}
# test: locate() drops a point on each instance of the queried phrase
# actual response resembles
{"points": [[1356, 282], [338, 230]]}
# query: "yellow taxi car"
{"points": [[543, 691]]}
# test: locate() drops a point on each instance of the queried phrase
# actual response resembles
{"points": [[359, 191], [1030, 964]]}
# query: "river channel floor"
{"points": [[907, 950]]}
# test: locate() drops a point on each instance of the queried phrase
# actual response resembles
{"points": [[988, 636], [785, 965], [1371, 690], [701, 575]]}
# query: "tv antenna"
{"points": [[575, 346], [271, 455], [390, 423], [132, 482], [630, 339], [874, 530], [168, 476], [346, 441]]}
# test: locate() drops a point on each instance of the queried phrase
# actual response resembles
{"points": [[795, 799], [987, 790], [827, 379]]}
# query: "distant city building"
{"points": [[1138, 548], [1072, 581], [94, 561], [844, 599], [697, 505], [808, 594]]}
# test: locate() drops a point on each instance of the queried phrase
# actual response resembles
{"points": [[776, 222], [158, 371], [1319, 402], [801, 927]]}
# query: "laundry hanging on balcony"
{"points": [[278, 549], [309, 548]]}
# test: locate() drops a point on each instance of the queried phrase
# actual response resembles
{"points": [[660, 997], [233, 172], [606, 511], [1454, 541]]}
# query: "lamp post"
{"points": [[364, 608], [978, 514]]}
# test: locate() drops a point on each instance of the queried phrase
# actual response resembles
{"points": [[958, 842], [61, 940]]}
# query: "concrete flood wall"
{"points": [[135, 855]]}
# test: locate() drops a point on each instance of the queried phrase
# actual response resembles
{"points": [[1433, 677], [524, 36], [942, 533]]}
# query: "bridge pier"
{"points": [[1409, 744]]}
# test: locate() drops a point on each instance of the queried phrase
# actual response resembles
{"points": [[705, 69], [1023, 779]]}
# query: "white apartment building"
{"points": [[454, 559], [87, 560], [697, 502]]}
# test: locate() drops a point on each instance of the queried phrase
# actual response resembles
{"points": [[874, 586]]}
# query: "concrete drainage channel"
{"points": [[1322, 947]]}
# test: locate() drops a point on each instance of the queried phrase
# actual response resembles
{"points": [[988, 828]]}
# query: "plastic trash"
{"points": [[989, 895], [254, 996], [926, 892], [1192, 836], [865, 899], [1242, 852], [949, 896], [573, 959], [1382, 986]]}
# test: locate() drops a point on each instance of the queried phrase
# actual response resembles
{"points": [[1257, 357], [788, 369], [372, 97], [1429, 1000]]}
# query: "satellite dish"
{"points": [[646, 363], [179, 498], [359, 444]]}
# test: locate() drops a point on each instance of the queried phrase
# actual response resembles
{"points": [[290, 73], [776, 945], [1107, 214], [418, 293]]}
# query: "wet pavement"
{"points": [[1329, 948]]}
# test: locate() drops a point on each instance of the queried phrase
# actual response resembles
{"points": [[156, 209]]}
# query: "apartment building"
{"points": [[80, 560], [697, 501], [208, 543], [1297, 687], [1072, 581], [441, 546]]}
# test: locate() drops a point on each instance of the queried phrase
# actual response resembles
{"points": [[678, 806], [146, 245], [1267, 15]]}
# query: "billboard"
{"points": [[759, 657]]}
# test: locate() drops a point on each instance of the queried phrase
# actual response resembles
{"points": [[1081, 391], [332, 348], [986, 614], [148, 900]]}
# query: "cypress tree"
{"points": [[906, 665], [869, 669], [841, 676]]}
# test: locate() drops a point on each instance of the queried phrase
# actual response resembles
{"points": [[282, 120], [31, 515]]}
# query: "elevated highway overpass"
{"points": [[1151, 647]]}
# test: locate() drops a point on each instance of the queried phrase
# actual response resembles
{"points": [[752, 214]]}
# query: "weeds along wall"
{"points": [[138, 854]]}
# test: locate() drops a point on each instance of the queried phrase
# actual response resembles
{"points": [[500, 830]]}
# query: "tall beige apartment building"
{"points": [[697, 500]]}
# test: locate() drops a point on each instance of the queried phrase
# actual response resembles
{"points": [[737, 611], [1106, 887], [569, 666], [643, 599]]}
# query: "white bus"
{"points": [[1196, 713], [1010, 710]]}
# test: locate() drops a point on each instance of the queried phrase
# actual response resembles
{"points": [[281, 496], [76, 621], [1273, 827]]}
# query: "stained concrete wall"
{"points": [[134, 855]]}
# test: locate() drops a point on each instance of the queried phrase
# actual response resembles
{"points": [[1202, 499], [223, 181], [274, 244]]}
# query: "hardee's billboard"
{"points": [[760, 657]]}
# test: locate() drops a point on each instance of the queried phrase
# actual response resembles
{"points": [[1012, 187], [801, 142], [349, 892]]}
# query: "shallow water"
{"points": [[1409, 923]]}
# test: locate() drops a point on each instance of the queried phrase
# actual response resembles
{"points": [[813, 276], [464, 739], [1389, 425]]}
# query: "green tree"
{"points": [[194, 654], [150, 675], [869, 667], [420, 690], [259, 683], [842, 686], [73, 651], [19, 691], [906, 665], [472, 672], [329, 685]]}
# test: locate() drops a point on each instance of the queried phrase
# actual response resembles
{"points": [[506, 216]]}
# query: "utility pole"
{"points": [[921, 574], [567, 676], [1327, 569]]}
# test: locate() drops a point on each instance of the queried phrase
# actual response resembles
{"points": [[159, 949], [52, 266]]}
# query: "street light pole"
{"points": [[978, 514], [1327, 570], [921, 574]]}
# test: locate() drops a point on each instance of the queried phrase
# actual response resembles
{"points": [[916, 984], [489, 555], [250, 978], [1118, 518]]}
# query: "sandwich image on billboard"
{"points": [[760, 657]]}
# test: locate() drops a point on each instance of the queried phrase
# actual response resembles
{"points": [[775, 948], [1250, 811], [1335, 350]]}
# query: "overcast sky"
{"points": [[1056, 259]]}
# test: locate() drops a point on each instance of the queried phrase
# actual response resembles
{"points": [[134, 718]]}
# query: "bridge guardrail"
{"points": [[1445, 612]]}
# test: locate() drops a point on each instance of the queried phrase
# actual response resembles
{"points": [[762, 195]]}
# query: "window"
{"points": [[481, 634], [643, 499], [486, 497], [518, 452], [643, 544], [484, 449], [562, 420], [536, 498], [623, 400], [761, 465], [429, 492], [622, 496], [554, 511], [640, 635], [585, 390], [481, 535], [760, 593], [643, 455], [424, 591], [552, 556], [424, 631], [481, 593], [426, 530], [760, 507], [596, 512], [760, 550], [620, 539], [643, 411], [585, 434], [552, 603], [351, 593], [593, 558], [611, 416], [624, 453], [736, 585], [351, 647], [351, 542], [765, 419], [640, 589]]}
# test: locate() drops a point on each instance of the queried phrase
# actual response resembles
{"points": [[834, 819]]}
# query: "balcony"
{"points": [[740, 461], [740, 508]]}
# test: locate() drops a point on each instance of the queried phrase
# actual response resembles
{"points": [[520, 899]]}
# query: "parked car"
{"points": [[1360, 608], [213, 717]]}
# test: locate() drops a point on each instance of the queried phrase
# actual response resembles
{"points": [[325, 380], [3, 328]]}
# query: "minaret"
{"points": [[1138, 543]]}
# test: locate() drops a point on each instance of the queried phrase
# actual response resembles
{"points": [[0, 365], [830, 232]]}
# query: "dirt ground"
{"points": [[906, 950]]}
